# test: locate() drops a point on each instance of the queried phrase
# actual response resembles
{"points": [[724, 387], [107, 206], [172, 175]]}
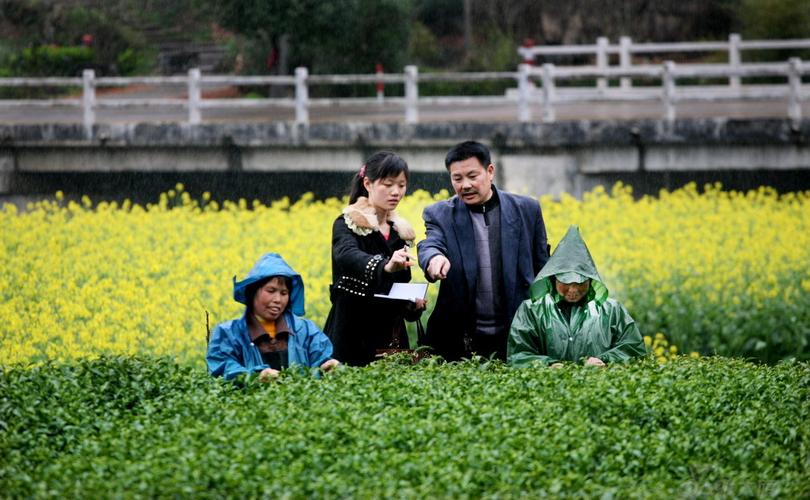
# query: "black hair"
{"points": [[251, 289], [468, 149], [380, 165]]}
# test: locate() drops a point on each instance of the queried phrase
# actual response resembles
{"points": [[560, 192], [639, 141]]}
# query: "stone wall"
{"points": [[531, 158]]}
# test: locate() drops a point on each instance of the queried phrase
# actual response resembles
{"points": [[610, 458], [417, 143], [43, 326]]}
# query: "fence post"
{"points": [[524, 107], [734, 60], [795, 82], [89, 101], [411, 94], [301, 96], [668, 81], [194, 96], [601, 61], [625, 61], [548, 93]]}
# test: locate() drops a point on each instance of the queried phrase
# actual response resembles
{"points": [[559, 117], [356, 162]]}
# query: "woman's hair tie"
{"points": [[362, 172]]}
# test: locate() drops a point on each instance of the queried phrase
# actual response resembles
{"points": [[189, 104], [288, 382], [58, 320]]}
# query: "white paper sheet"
{"points": [[405, 291]]}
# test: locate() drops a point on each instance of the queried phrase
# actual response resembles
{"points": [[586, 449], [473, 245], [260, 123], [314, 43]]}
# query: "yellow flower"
{"points": [[127, 278]]}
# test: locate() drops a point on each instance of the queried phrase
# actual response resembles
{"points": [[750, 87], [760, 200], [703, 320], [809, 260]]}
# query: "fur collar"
{"points": [[362, 219]]}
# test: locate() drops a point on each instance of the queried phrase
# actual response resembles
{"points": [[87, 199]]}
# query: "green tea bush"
{"points": [[41, 61], [52, 60], [121, 427]]}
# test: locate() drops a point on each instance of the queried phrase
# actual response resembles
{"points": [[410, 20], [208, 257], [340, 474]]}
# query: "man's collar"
{"points": [[489, 205]]}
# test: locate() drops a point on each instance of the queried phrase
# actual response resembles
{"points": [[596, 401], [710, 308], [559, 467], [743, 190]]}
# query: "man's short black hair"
{"points": [[468, 149]]}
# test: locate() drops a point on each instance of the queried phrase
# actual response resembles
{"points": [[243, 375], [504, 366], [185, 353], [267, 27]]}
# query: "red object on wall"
{"points": [[528, 43], [272, 59], [378, 68]]}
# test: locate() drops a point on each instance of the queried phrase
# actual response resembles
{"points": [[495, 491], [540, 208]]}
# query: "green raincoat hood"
{"points": [[571, 255]]}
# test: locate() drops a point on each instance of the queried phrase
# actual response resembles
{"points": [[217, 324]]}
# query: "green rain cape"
{"points": [[599, 327]]}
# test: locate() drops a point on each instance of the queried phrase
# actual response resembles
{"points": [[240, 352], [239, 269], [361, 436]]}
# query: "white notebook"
{"points": [[405, 291]]}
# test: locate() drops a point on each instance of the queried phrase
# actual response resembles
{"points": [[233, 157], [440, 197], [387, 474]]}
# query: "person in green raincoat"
{"points": [[569, 317]]}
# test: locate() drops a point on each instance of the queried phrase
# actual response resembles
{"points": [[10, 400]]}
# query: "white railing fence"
{"points": [[548, 75], [670, 93], [626, 49], [661, 85]]}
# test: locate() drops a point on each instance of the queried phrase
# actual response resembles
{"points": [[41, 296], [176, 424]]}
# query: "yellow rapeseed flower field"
{"points": [[720, 271]]}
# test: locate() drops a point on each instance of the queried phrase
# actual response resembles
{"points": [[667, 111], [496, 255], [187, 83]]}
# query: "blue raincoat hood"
{"points": [[272, 264]]}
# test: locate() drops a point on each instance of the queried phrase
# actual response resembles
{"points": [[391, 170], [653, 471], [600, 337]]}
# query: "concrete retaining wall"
{"points": [[531, 158]]}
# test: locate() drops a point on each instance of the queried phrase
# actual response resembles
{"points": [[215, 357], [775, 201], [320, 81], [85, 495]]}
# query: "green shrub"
{"points": [[774, 19], [133, 62], [52, 60], [45, 61], [121, 427]]}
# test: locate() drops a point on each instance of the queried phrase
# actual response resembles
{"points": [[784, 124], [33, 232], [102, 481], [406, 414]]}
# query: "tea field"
{"points": [[150, 427], [104, 393]]}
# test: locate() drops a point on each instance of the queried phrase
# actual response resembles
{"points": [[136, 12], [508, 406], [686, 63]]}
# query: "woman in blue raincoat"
{"points": [[272, 334], [569, 317]]}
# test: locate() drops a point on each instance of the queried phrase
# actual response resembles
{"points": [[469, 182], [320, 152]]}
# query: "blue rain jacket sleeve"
{"points": [[316, 348], [229, 355]]}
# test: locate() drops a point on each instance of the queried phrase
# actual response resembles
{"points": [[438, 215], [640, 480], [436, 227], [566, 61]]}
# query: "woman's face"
{"points": [[573, 292], [271, 299], [386, 193]]}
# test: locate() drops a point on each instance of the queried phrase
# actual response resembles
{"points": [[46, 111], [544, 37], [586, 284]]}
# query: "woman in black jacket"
{"points": [[370, 245]]}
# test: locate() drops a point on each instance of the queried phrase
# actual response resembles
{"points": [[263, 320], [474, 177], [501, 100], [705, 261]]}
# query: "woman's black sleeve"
{"points": [[356, 271]]}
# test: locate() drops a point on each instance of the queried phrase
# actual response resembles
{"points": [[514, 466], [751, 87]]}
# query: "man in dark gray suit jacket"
{"points": [[486, 246]]}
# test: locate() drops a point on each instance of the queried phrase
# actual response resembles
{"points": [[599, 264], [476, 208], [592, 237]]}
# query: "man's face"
{"points": [[472, 181], [573, 292]]}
